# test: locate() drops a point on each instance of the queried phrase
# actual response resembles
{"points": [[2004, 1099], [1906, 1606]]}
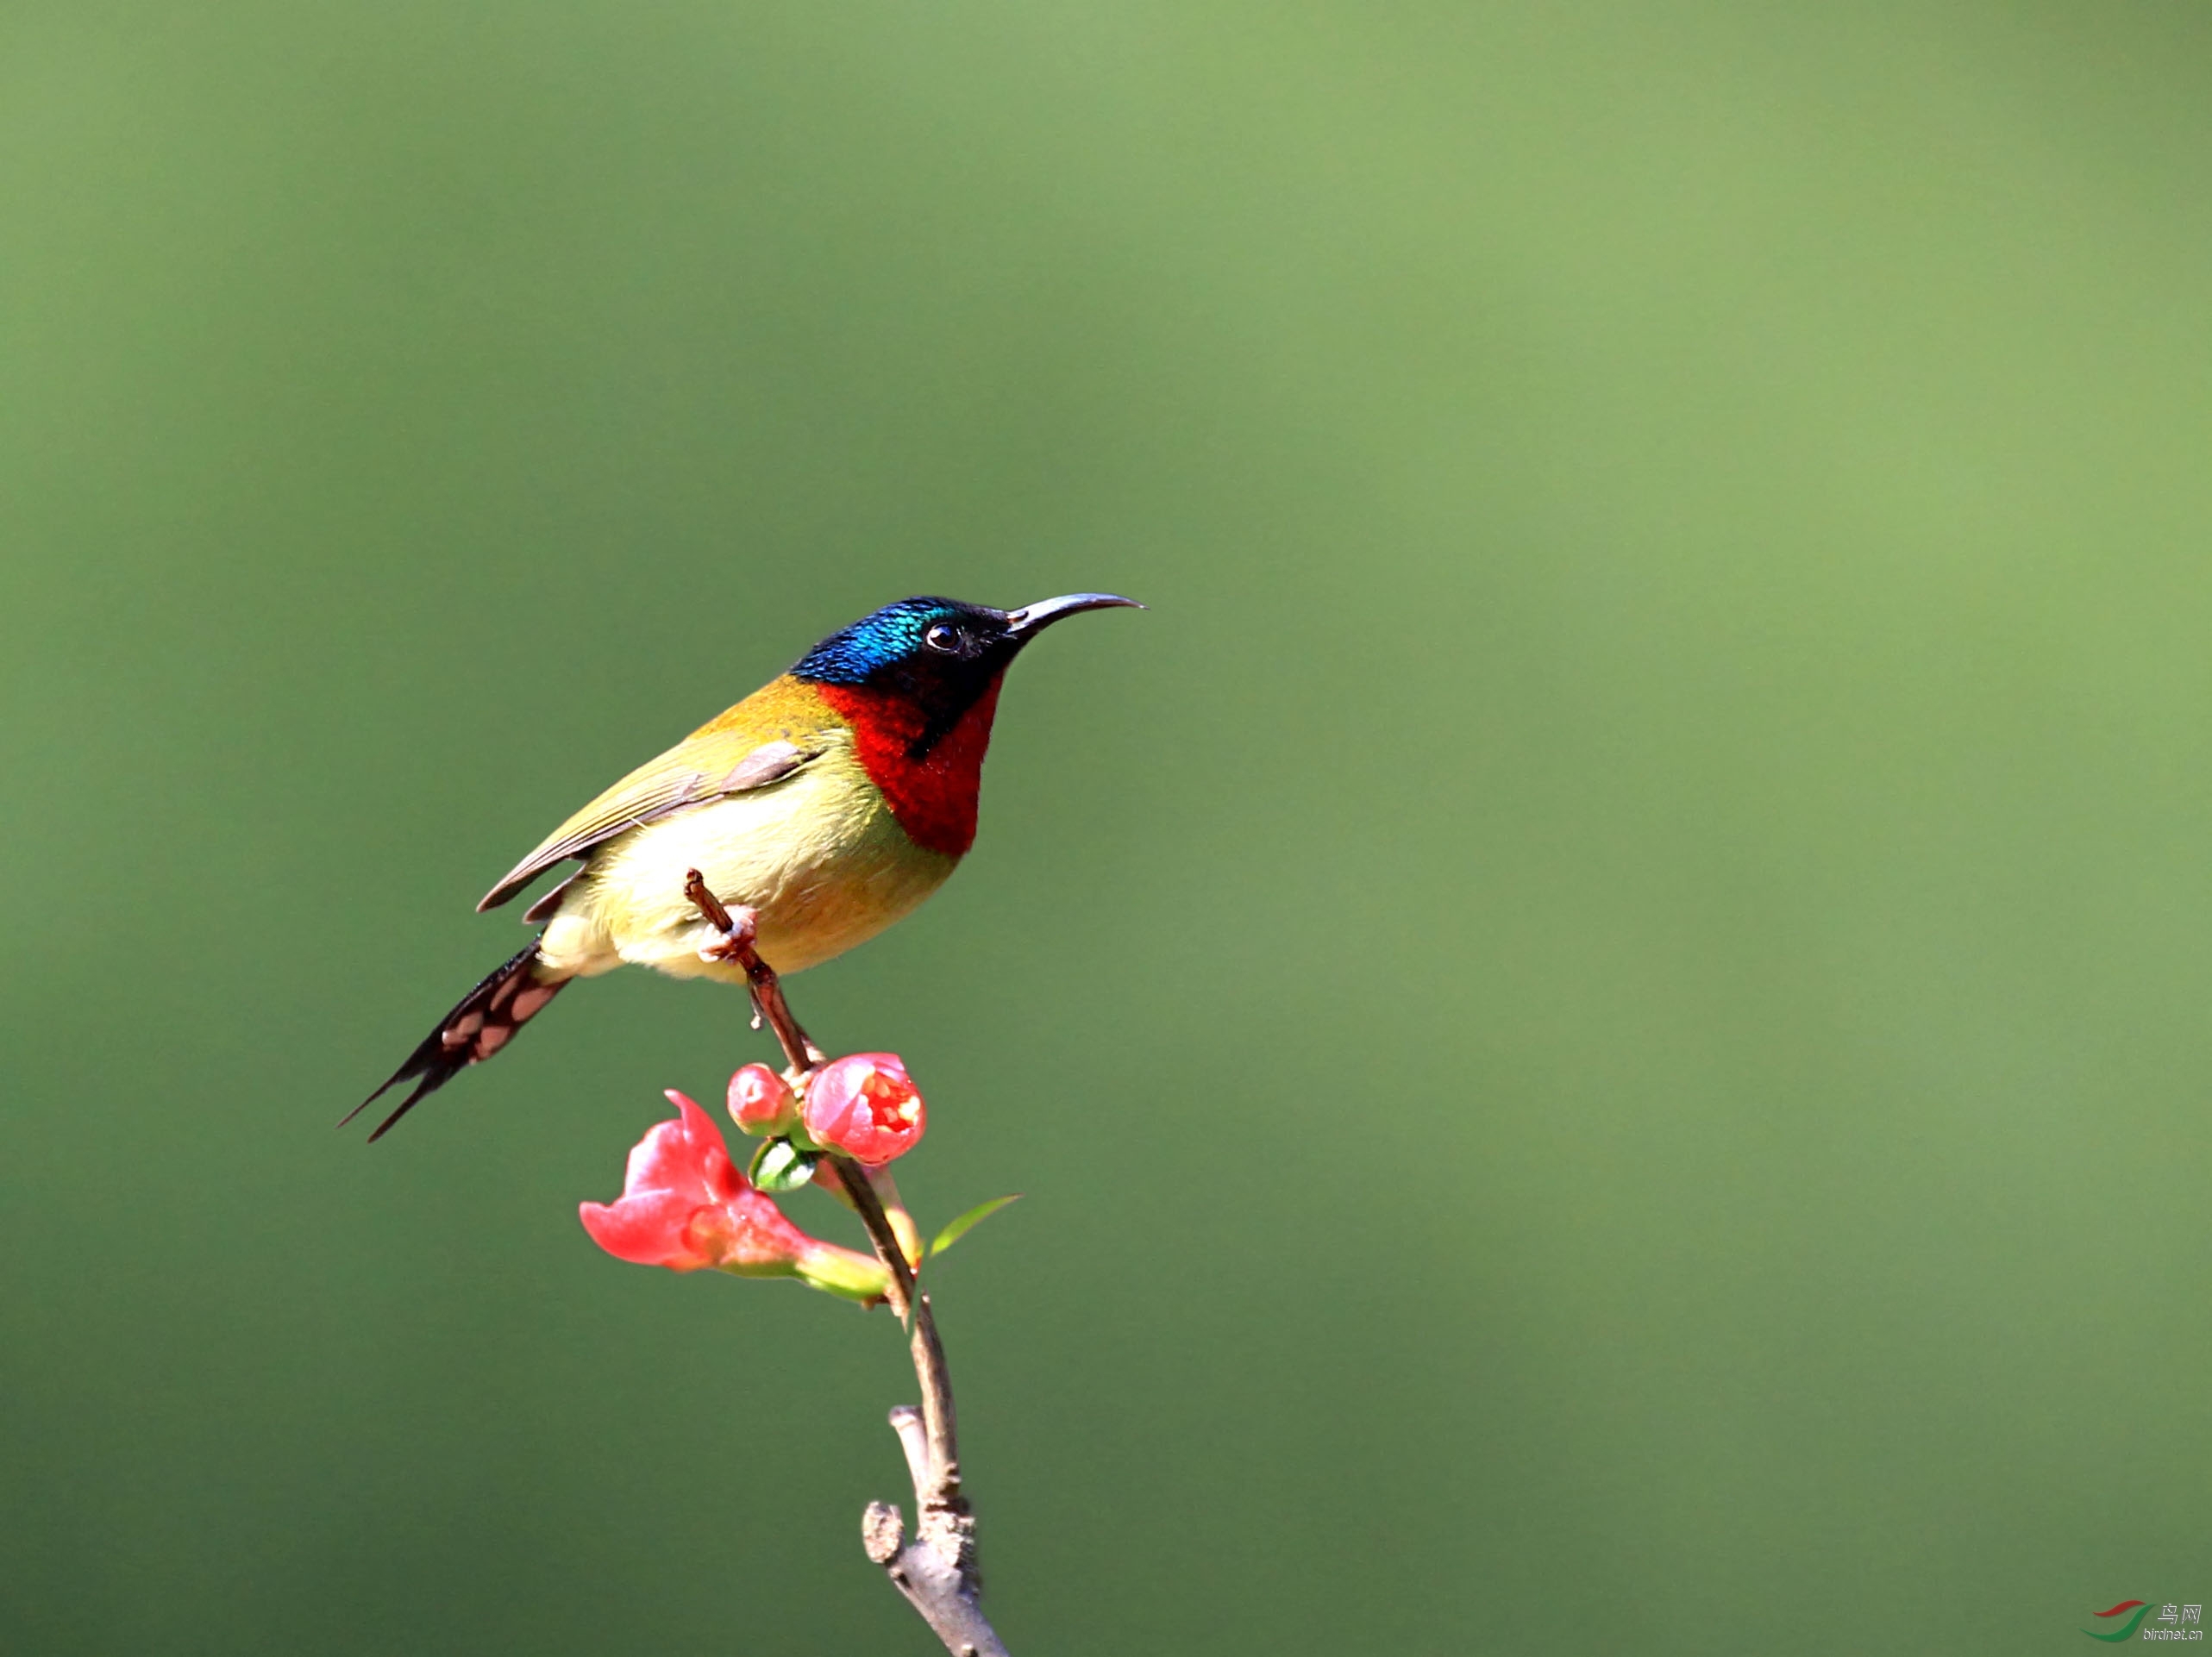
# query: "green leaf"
{"points": [[968, 1222], [780, 1166]]}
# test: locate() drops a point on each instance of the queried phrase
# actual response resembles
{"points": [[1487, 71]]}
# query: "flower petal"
{"points": [[718, 1175], [665, 1161], [651, 1228], [759, 1233], [866, 1105], [761, 1102]]}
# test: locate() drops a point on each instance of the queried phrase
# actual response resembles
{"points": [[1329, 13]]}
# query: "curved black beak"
{"points": [[1025, 623]]}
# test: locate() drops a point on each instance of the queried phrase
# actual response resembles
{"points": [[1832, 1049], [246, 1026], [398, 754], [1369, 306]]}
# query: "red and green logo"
{"points": [[2125, 1630]]}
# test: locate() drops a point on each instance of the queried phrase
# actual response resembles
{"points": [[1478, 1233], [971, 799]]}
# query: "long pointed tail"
{"points": [[484, 1020]]}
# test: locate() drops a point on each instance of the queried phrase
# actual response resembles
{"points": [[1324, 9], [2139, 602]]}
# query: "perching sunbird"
{"points": [[831, 801]]}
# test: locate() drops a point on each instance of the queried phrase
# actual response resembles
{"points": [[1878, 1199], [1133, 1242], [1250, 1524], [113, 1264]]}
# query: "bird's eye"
{"points": [[943, 637]]}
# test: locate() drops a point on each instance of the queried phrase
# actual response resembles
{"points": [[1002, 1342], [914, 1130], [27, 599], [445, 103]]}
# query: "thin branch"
{"points": [[935, 1570]]}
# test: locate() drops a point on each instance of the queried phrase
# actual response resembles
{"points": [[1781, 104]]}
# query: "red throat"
{"points": [[933, 798]]}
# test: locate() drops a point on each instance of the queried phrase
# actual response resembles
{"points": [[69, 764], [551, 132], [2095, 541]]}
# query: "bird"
{"points": [[830, 802]]}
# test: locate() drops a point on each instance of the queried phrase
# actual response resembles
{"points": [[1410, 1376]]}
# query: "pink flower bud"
{"points": [[760, 1102], [866, 1105], [684, 1205]]}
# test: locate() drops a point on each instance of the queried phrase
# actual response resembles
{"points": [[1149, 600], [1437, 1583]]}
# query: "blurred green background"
{"points": [[1602, 1011]]}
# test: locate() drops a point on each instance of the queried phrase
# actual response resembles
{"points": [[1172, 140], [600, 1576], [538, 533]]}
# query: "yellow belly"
{"points": [[818, 856]]}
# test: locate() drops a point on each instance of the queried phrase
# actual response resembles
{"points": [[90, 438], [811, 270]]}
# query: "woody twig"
{"points": [[935, 1568]]}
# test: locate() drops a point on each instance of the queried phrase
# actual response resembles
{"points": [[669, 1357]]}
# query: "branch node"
{"points": [[883, 1533]]}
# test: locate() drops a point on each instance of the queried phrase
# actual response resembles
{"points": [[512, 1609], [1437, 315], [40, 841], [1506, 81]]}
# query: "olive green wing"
{"points": [[704, 766]]}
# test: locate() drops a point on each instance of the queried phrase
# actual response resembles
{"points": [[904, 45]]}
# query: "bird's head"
{"points": [[937, 656]]}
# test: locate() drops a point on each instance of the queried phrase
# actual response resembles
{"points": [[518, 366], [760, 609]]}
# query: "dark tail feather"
{"points": [[484, 1020]]}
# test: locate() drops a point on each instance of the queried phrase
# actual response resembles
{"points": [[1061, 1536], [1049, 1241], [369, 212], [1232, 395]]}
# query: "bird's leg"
{"points": [[740, 929]]}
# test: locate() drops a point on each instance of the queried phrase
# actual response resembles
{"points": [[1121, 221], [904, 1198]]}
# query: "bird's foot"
{"points": [[741, 932], [740, 928], [739, 944]]}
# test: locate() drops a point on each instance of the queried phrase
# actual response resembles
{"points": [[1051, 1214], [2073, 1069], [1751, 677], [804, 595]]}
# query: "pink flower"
{"points": [[866, 1105], [760, 1102], [684, 1205]]}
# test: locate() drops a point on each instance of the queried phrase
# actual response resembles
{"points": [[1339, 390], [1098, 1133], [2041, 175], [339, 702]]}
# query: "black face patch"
{"points": [[937, 654]]}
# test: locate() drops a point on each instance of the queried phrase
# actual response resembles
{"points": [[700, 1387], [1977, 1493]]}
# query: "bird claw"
{"points": [[737, 940], [740, 930]]}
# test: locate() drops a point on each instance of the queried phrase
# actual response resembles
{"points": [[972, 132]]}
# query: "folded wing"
{"points": [[704, 766]]}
